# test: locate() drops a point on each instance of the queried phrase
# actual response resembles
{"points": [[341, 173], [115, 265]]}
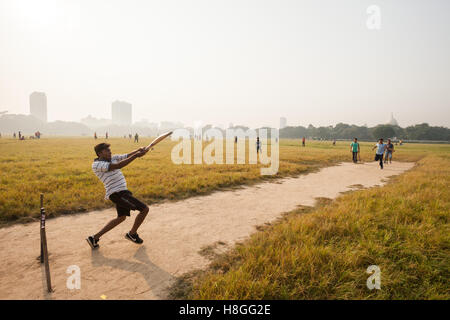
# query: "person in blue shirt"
{"points": [[380, 146]]}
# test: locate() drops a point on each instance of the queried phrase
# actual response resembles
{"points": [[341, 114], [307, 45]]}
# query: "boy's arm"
{"points": [[123, 163], [127, 161], [135, 152]]}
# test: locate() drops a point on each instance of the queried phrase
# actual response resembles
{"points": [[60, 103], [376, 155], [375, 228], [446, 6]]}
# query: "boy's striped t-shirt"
{"points": [[113, 180]]}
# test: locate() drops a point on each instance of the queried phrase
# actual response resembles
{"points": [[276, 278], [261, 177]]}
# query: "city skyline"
{"points": [[313, 62], [120, 111]]}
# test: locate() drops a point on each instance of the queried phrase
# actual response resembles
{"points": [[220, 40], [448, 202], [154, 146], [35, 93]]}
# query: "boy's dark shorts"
{"points": [[125, 202], [378, 157]]}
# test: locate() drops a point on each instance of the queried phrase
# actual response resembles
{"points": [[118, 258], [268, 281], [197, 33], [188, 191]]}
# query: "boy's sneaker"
{"points": [[134, 237], [92, 242]]}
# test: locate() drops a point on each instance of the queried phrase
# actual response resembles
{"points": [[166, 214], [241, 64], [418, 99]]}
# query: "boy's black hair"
{"points": [[101, 146]]}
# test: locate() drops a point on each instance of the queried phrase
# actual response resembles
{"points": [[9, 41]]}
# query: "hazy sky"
{"points": [[246, 62]]}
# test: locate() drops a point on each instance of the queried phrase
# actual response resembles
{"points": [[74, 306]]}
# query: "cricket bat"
{"points": [[158, 139]]}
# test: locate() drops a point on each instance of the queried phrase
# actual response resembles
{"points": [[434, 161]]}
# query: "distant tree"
{"points": [[363, 133], [293, 132], [344, 131], [425, 132], [324, 132], [383, 131], [311, 131]]}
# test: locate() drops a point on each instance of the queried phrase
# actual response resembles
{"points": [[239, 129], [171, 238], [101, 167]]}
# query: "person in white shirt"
{"points": [[381, 147], [107, 168]]}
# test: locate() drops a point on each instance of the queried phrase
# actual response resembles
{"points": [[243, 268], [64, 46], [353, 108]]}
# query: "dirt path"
{"points": [[173, 234]]}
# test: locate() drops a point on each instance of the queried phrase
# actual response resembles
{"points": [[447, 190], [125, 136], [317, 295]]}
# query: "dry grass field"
{"points": [[311, 253], [323, 252], [61, 169]]}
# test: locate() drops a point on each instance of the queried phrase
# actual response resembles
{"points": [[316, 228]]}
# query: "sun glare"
{"points": [[44, 13]]}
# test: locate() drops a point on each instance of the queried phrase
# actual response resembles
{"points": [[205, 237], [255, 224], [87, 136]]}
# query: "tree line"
{"points": [[28, 124], [345, 131]]}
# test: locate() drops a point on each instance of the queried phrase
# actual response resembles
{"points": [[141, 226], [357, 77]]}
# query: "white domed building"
{"points": [[392, 120]]}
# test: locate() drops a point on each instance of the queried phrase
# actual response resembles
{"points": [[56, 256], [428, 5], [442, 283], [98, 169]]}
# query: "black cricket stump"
{"points": [[44, 251]]}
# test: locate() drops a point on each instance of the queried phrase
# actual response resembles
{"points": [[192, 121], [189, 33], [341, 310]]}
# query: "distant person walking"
{"points": [[106, 135], [389, 151], [258, 145], [334, 142], [380, 146], [95, 135], [354, 148], [235, 139], [20, 135], [303, 141], [107, 169], [136, 138], [14, 135]]}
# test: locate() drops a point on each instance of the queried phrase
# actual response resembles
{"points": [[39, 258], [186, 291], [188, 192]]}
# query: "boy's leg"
{"points": [[132, 203], [123, 210], [109, 226], [139, 219]]}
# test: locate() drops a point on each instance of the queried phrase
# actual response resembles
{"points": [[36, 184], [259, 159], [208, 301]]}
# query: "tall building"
{"points": [[38, 105], [121, 113], [283, 122]]}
